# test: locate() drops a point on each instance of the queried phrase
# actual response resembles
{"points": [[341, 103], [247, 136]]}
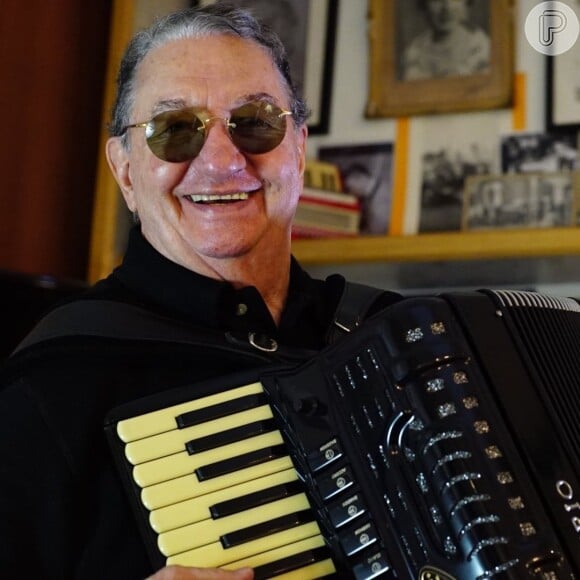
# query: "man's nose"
{"points": [[219, 154]]}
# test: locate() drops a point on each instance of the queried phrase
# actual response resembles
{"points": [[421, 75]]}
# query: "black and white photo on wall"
{"points": [[534, 152], [443, 174], [366, 172], [307, 29], [525, 200], [442, 38], [435, 56]]}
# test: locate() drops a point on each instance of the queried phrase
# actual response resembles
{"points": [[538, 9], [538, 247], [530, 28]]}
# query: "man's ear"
{"points": [[118, 160], [302, 140]]}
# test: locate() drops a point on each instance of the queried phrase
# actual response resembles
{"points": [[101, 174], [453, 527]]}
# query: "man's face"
{"points": [[446, 15], [214, 74]]}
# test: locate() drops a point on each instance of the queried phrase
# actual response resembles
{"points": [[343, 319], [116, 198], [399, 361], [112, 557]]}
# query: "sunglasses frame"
{"points": [[238, 140]]}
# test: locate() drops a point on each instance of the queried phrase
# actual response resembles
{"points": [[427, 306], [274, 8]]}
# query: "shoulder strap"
{"points": [[119, 320], [111, 319], [352, 309], [106, 318]]}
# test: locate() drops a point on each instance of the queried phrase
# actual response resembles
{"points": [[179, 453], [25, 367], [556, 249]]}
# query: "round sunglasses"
{"points": [[179, 135]]}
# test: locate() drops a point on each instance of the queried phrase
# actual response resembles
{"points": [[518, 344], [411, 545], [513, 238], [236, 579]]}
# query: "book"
{"points": [[323, 213], [322, 175]]}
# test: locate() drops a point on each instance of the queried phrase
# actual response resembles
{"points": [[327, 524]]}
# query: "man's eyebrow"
{"points": [[257, 97], [168, 105], [172, 104]]}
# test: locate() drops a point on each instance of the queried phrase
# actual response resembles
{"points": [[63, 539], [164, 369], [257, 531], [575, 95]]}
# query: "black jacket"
{"points": [[63, 512]]}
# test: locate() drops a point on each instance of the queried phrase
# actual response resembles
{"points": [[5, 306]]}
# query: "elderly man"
{"points": [[208, 148]]}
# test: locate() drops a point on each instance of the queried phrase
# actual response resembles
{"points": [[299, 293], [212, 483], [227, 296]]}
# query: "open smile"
{"points": [[218, 198]]}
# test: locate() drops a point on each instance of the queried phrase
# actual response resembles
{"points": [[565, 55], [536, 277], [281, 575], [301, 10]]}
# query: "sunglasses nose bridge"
{"points": [[207, 122], [220, 152]]}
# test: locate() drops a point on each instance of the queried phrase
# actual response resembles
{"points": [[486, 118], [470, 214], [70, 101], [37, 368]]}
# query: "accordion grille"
{"points": [[548, 330]]}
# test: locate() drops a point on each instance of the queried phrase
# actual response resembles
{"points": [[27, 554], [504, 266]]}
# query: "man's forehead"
{"points": [[187, 72], [209, 49]]}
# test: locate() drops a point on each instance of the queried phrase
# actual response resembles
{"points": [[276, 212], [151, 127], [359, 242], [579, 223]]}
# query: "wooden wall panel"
{"points": [[52, 64]]}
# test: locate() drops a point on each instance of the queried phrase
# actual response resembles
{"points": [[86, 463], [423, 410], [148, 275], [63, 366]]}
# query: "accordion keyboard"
{"points": [[220, 489]]}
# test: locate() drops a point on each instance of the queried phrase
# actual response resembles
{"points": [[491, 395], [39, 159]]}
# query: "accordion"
{"points": [[439, 440]]}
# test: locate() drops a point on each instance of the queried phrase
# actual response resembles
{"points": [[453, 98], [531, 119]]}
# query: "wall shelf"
{"points": [[441, 246]]}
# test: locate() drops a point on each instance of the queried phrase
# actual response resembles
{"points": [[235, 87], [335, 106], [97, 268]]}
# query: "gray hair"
{"points": [[215, 19]]}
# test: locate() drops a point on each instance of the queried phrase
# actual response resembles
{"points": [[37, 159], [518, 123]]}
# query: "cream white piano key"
{"points": [[197, 509], [209, 531], [284, 552], [188, 487], [163, 420], [215, 556], [179, 464], [171, 442], [317, 570]]}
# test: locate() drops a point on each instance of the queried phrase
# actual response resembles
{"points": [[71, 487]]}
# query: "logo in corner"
{"points": [[552, 28]]}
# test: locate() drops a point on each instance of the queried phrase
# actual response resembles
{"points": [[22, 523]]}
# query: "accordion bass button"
{"points": [[372, 566], [326, 454]]}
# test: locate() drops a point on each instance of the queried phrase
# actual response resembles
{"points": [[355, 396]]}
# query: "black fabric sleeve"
{"points": [[35, 484]]}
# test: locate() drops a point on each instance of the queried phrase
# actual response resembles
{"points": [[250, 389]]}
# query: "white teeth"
{"points": [[216, 198]]}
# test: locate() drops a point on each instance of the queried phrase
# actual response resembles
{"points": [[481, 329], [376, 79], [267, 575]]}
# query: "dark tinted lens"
{"points": [[175, 136], [259, 127]]}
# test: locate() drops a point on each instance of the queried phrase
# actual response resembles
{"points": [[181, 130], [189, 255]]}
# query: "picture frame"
{"points": [[366, 171], [563, 92], [308, 30], [516, 201], [412, 74], [534, 152], [448, 149]]}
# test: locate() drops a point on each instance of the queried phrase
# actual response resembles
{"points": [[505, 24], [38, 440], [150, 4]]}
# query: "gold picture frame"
{"points": [[520, 200], [398, 86]]}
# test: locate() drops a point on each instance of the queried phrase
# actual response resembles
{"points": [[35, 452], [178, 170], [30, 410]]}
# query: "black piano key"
{"points": [[230, 436], [266, 528], [221, 410], [256, 499], [250, 459], [291, 563]]}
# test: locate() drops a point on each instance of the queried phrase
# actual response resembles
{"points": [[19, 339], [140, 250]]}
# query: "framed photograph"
{"points": [[308, 30], [534, 152], [563, 91], [366, 171], [429, 58], [542, 200], [447, 149]]}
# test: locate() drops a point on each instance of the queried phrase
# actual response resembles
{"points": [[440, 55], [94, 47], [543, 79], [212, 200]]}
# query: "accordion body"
{"points": [[439, 440]]}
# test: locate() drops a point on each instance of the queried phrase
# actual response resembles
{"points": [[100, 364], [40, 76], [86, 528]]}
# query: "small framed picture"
{"points": [[542, 200], [366, 171], [534, 152], [563, 89], [432, 57], [447, 150], [308, 31]]}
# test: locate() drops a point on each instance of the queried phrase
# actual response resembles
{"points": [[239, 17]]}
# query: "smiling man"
{"points": [[208, 147], [227, 211]]}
